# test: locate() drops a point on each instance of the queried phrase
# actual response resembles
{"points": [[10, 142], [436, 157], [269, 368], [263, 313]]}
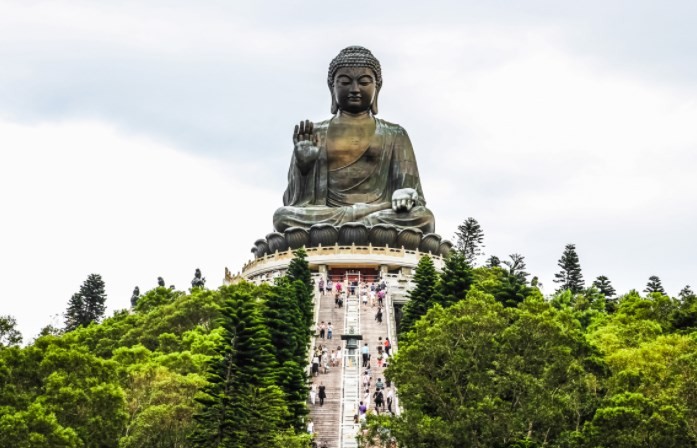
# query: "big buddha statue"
{"points": [[353, 167]]}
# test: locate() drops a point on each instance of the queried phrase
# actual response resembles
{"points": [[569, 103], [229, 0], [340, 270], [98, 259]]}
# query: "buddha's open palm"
{"points": [[305, 143], [404, 199]]}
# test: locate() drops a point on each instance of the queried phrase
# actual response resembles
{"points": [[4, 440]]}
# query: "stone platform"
{"points": [[382, 260]]}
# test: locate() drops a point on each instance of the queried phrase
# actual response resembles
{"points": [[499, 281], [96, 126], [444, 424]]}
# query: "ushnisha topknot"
{"points": [[354, 56]]}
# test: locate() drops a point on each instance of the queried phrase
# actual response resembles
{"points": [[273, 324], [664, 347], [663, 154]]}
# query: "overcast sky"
{"points": [[145, 139]]}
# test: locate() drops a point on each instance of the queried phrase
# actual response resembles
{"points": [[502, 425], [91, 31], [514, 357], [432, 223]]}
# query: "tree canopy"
{"points": [[568, 371], [157, 375]]}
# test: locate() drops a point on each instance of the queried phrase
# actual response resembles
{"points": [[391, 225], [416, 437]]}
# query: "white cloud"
{"points": [[81, 198]]}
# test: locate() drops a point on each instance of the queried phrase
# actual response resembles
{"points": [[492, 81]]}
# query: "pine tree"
{"points": [[685, 317], [604, 286], [513, 288], [422, 295], [456, 279], [290, 341], [9, 335], [470, 239], [241, 404], [87, 305], [654, 285], [299, 275], [493, 262], [299, 269], [686, 293], [516, 267], [570, 276]]}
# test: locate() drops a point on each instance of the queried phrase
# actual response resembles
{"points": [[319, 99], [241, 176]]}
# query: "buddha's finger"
{"points": [[302, 128], [295, 134], [309, 127]]}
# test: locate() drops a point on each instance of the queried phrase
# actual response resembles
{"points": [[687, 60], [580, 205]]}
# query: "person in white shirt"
{"points": [[313, 393], [390, 398]]}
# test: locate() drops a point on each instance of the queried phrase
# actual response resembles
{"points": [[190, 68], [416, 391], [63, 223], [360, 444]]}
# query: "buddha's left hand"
{"points": [[404, 199]]}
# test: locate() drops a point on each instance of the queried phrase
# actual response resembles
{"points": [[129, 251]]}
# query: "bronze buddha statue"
{"points": [[353, 167]]}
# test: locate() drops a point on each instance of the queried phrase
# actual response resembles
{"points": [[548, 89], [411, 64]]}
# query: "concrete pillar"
{"points": [[322, 269]]}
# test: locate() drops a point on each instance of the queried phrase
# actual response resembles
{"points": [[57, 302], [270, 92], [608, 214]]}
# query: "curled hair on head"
{"points": [[354, 56]]}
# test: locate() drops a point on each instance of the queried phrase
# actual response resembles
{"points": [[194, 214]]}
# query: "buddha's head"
{"points": [[354, 81]]}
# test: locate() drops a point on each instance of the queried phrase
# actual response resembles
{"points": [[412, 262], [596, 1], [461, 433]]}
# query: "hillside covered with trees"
{"points": [[206, 368], [484, 360]]}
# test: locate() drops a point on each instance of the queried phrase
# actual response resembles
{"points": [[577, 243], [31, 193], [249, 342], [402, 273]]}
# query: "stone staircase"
{"points": [[333, 422], [326, 418]]}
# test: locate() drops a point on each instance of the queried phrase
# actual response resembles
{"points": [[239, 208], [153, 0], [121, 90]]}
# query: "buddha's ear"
{"points": [[374, 106], [335, 106]]}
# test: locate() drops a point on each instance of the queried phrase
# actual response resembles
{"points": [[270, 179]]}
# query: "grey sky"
{"points": [[550, 122]]}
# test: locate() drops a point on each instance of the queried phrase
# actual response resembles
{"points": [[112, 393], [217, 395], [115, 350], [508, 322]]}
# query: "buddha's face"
{"points": [[354, 89]]}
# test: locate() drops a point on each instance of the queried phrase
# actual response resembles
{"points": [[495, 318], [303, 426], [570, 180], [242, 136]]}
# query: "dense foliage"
{"points": [[505, 367], [204, 368], [484, 360]]}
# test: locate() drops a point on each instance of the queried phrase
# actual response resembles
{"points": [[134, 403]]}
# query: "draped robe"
{"points": [[361, 191]]}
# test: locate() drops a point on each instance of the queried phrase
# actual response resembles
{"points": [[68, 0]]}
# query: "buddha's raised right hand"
{"points": [[305, 142]]}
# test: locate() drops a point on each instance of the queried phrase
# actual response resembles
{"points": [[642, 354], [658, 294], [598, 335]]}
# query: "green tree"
{"points": [[422, 295], [9, 335], [241, 406], [631, 420], [470, 240], [493, 262], [286, 325], [604, 286], [570, 276], [36, 427], [455, 280], [299, 271], [685, 317], [686, 293], [654, 285], [87, 305], [61, 393], [84, 393], [516, 267], [512, 288], [479, 374], [160, 404]]}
